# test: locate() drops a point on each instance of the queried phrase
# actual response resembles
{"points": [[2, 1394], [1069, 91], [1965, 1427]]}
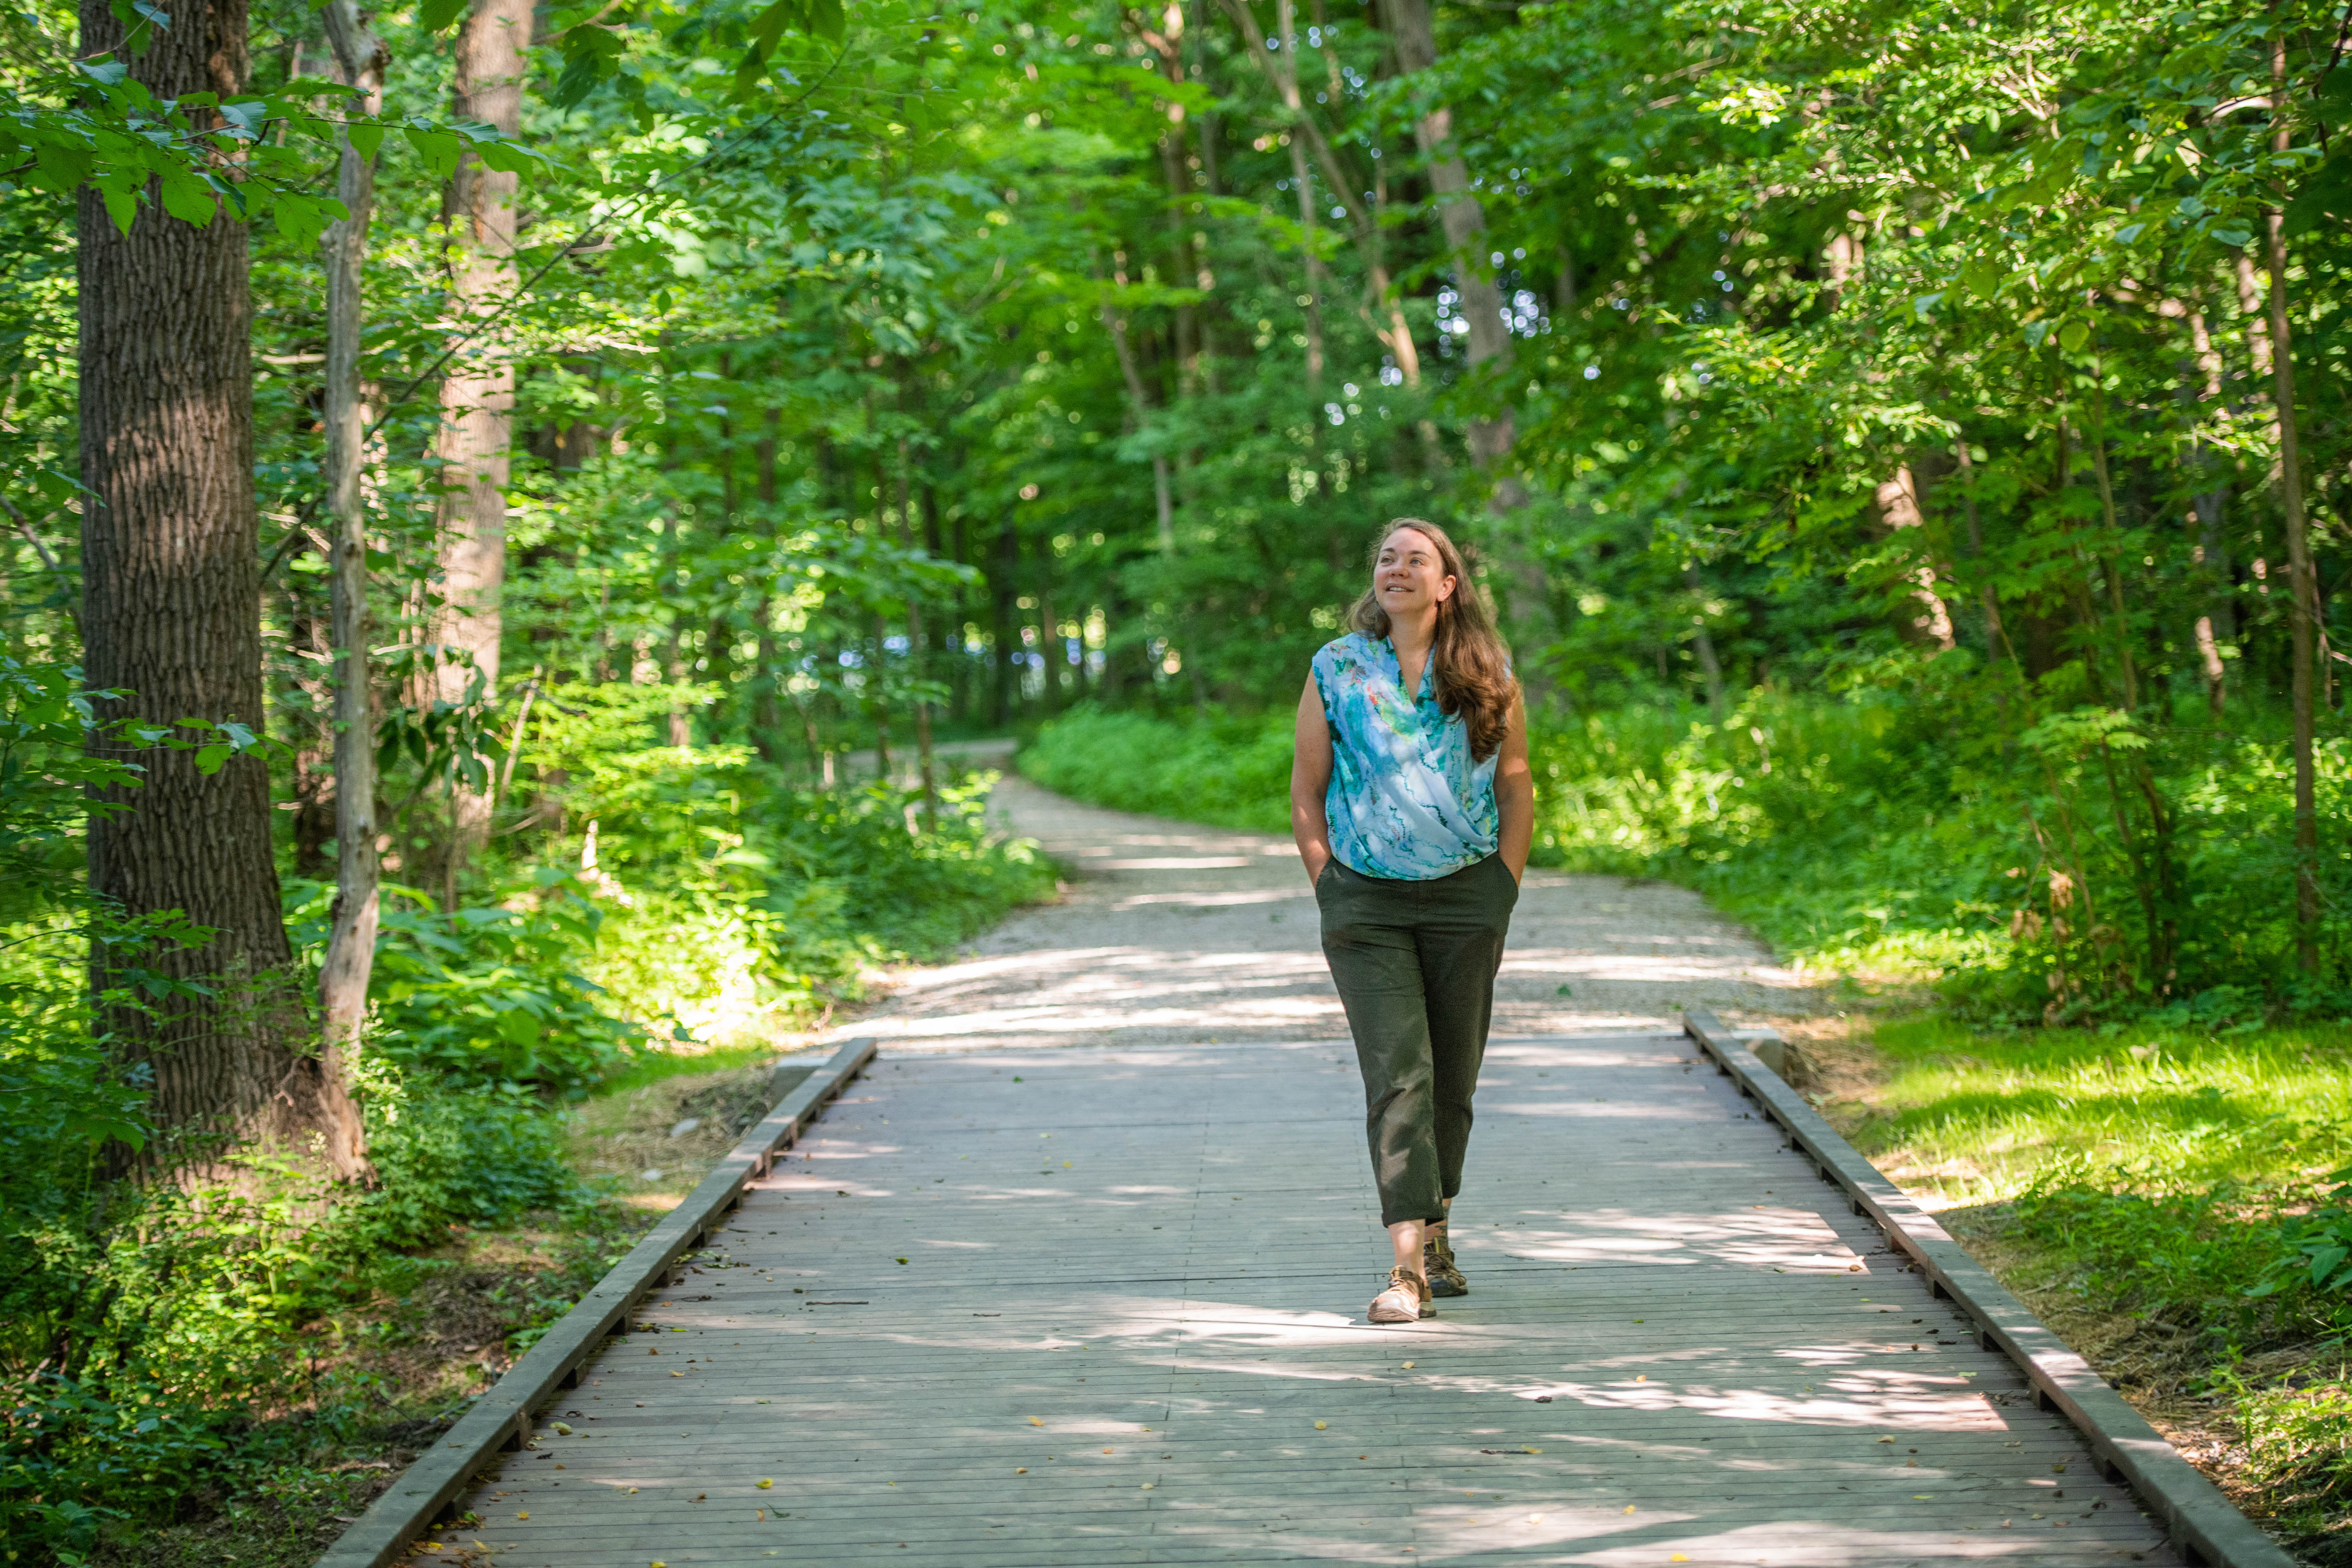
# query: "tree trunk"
{"points": [[1898, 509], [478, 394], [767, 711], [1709, 666], [917, 648], [1000, 594], [2302, 595], [1465, 222], [171, 618], [1994, 635], [350, 944], [1481, 306]]}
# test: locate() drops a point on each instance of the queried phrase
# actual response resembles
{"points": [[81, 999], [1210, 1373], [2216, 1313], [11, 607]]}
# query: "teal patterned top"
{"points": [[1405, 801]]}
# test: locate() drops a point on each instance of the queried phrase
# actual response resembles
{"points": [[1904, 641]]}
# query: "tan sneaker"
{"points": [[1437, 1266], [1404, 1299]]}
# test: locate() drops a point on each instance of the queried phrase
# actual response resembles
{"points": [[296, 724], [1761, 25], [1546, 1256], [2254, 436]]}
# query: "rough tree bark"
{"points": [[1465, 222], [171, 618], [350, 944], [2302, 595], [477, 394], [1487, 339]]}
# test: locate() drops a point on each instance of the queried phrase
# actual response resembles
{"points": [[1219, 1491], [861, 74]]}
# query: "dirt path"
{"points": [[1172, 934]]}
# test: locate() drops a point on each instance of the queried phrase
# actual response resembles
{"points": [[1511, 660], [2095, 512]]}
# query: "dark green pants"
{"points": [[1415, 965]]}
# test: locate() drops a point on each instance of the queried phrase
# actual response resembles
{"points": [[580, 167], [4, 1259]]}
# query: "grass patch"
{"points": [[2170, 1201]]}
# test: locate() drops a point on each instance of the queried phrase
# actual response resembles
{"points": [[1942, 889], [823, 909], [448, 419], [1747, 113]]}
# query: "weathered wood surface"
{"points": [[504, 1413], [2122, 1442], [1134, 1282]]}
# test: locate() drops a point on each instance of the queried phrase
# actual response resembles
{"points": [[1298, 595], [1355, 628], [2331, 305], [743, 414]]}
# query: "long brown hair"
{"points": [[1474, 668]]}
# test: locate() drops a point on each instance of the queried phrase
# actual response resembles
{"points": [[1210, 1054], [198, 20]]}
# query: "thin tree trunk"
{"points": [[2113, 559], [1285, 61], [1465, 222], [171, 617], [1898, 509], [1995, 636], [2302, 595], [767, 713], [1139, 403], [477, 394], [1488, 340], [350, 944], [1000, 591], [916, 648], [1708, 665]]}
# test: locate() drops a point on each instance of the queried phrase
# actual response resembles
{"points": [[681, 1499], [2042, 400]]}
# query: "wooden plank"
{"points": [[1131, 1304], [502, 1417], [2196, 1513]]}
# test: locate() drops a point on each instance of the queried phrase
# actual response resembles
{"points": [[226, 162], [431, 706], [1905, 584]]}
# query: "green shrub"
{"points": [[484, 996], [1230, 771]]}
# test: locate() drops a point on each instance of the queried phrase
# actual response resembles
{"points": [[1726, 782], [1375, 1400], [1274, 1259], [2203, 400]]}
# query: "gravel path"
{"points": [[1172, 934]]}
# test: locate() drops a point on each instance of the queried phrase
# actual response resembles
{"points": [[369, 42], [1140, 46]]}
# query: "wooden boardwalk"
{"points": [[1084, 1306]]}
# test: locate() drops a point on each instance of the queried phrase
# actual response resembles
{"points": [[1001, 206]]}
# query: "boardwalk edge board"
{"points": [[502, 1418], [2201, 1523]]}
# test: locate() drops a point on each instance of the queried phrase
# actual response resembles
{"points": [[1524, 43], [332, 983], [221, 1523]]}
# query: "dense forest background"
{"points": [[507, 505]]}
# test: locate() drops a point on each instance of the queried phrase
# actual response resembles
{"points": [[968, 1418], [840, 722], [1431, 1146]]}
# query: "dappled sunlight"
{"points": [[1927, 1402], [1786, 1240], [1820, 1543]]}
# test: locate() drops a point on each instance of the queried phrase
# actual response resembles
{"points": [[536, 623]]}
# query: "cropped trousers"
{"points": [[1415, 964]]}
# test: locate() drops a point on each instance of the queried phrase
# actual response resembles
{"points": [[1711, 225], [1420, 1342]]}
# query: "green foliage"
{"points": [[484, 996], [1230, 771]]}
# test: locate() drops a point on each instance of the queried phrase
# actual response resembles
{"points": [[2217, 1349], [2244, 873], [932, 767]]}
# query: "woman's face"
{"points": [[1410, 576]]}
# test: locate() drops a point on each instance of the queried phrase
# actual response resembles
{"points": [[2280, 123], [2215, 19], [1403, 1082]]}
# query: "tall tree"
{"points": [[477, 395], [172, 620], [350, 946]]}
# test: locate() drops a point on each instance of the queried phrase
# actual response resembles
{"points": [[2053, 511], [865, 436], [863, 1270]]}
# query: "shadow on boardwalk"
{"points": [[1014, 1306]]}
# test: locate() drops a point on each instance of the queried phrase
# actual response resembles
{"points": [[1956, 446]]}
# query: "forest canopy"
{"points": [[506, 506]]}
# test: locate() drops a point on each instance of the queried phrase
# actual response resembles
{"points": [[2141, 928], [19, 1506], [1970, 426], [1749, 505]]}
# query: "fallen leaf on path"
{"points": [[1319, 1425], [767, 1481]]}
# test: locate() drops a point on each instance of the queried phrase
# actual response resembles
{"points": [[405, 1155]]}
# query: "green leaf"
{"points": [[107, 73], [769, 26], [440, 148], [506, 157], [1982, 275], [2073, 336], [366, 135], [188, 198], [122, 206], [210, 759], [435, 14], [826, 20]]}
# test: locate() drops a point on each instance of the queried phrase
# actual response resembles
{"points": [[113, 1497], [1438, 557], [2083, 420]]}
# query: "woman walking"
{"points": [[1413, 808]]}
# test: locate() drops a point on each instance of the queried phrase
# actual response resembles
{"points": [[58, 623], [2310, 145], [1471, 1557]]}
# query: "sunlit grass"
{"points": [[1978, 1117]]}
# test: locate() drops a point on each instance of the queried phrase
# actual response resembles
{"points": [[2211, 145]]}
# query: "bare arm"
{"points": [[1310, 775], [1515, 794]]}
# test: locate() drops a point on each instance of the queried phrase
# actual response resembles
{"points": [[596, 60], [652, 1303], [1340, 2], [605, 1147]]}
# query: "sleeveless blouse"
{"points": [[1405, 801]]}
